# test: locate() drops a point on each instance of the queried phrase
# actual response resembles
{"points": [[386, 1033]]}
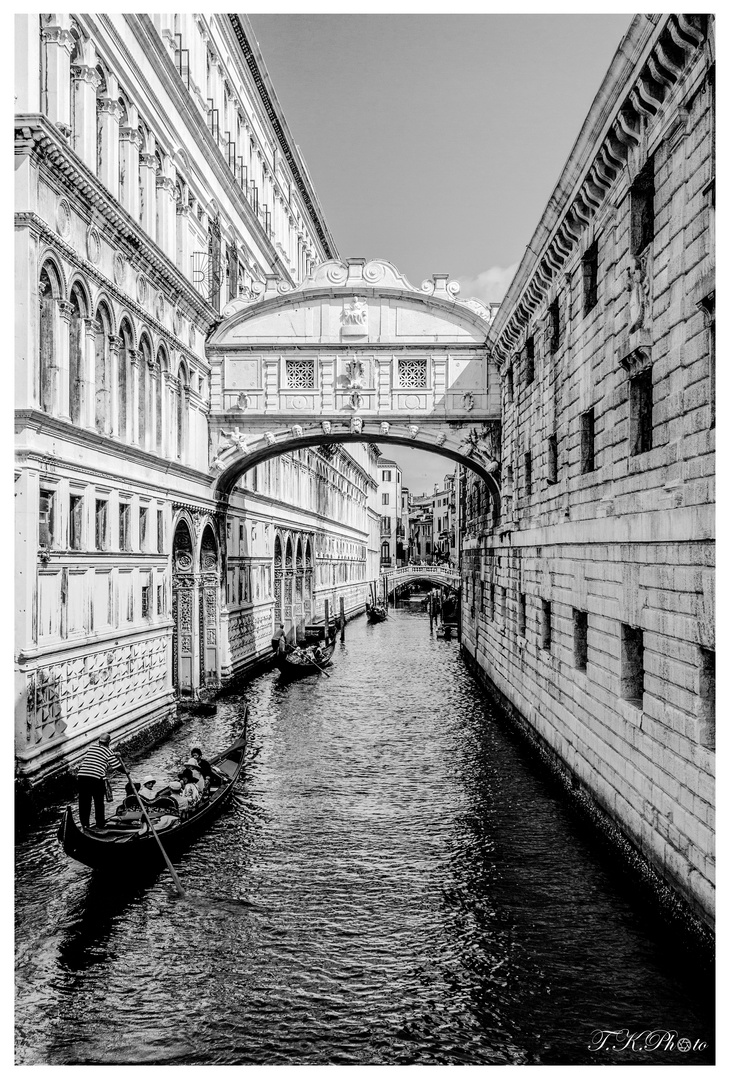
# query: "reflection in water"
{"points": [[393, 884]]}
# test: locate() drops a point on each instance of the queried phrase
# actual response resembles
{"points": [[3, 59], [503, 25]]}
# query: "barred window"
{"points": [[301, 374], [412, 374]]}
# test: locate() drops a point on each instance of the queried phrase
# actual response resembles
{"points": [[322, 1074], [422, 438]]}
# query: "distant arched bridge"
{"points": [[391, 579]]}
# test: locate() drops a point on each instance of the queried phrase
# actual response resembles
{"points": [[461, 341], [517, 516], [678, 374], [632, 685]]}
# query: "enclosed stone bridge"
{"points": [[405, 575], [355, 353]]}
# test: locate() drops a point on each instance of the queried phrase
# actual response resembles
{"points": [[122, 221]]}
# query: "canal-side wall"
{"points": [[588, 600]]}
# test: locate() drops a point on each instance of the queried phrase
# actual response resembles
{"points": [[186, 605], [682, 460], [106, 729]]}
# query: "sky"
{"points": [[435, 141]]}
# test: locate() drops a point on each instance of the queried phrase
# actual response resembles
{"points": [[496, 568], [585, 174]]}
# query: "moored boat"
{"points": [[121, 846], [297, 662], [375, 613]]}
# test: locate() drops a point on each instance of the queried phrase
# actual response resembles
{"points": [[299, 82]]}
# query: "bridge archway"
{"points": [[355, 353]]}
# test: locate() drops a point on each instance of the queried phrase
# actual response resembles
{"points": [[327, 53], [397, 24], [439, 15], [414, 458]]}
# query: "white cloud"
{"points": [[489, 286]]}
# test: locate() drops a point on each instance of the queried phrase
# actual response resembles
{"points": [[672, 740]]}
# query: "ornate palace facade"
{"points": [[156, 182]]}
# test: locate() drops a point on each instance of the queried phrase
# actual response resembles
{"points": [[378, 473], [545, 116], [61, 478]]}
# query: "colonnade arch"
{"points": [[294, 581], [196, 605]]}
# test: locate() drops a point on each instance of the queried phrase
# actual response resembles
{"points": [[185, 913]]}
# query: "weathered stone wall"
{"points": [[611, 550]]}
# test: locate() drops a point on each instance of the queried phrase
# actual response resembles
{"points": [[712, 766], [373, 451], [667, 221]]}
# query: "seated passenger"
{"points": [[198, 780], [152, 787], [190, 789], [204, 767]]}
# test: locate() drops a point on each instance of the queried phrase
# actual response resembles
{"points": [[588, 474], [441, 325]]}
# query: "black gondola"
{"points": [[375, 613], [121, 847], [293, 663]]}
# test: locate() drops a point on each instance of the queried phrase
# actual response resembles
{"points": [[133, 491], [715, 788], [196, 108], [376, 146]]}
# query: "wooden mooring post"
{"points": [[342, 618], [327, 620], [431, 613]]}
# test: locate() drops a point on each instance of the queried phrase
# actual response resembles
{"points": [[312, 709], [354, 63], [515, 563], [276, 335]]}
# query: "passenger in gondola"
{"points": [[152, 787], [190, 789], [204, 768], [198, 780]]}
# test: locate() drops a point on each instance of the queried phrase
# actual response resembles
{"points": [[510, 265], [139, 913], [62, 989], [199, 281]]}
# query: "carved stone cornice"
{"points": [[65, 309], [131, 135], [57, 35], [637, 104], [165, 183], [108, 105], [148, 161], [86, 74]]}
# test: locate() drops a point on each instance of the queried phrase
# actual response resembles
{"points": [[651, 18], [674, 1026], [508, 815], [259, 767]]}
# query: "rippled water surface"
{"points": [[395, 884]]}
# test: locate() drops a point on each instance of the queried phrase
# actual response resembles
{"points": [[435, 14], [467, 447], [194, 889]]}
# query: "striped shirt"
{"points": [[97, 760]]}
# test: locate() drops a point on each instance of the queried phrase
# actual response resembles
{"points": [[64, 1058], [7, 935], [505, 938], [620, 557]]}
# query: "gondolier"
{"points": [[92, 773]]}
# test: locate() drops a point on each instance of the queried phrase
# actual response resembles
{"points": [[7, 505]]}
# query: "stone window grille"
{"points": [[146, 595], [552, 459], [632, 678], [101, 525], [530, 360], [46, 518], [301, 374], [581, 625], [160, 602], [76, 516], [554, 327], [640, 412], [546, 624], [590, 271], [707, 695], [412, 374], [587, 441]]}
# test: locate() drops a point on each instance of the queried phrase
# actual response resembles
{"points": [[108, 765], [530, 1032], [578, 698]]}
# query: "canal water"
{"points": [[397, 883]]}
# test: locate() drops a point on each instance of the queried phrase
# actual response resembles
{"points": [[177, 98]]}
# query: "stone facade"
{"points": [[588, 596], [156, 181]]}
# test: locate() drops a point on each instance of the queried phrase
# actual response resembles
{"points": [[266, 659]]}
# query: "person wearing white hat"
{"points": [[197, 775], [151, 788]]}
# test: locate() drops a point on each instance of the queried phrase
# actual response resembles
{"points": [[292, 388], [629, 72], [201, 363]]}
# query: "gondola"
{"points": [[121, 847], [375, 613], [294, 668]]}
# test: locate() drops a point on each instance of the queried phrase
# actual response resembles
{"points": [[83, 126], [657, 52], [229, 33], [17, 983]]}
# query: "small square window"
{"points": [[545, 624], [521, 614], [528, 466], [554, 326], [581, 623], [640, 412], [553, 459], [530, 361], [46, 518], [632, 665]]}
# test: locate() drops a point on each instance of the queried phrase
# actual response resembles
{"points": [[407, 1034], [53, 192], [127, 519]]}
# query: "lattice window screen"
{"points": [[412, 374], [301, 374]]}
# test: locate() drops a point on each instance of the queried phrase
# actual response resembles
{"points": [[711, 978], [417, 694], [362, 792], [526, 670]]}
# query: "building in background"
{"points": [[156, 180], [390, 500]]}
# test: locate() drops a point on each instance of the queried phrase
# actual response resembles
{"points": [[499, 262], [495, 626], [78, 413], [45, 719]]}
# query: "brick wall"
{"points": [[625, 537]]}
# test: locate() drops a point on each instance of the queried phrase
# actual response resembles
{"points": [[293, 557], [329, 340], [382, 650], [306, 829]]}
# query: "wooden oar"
{"points": [[170, 867]]}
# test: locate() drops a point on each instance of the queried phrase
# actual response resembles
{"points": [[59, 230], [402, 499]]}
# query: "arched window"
{"points": [[160, 368], [76, 356], [124, 180], [102, 371], [123, 380], [181, 403], [48, 292], [143, 391]]}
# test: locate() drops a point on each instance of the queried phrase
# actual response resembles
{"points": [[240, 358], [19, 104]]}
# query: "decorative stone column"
{"points": [[130, 143], [168, 397], [153, 381], [60, 395], [109, 113], [182, 240], [85, 84], [148, 172], [87, 375], [133, 396], [59, 44], [165, 233]]}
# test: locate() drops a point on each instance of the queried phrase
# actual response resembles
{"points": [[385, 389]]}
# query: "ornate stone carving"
{"points": [[297, 431], [93, 245], [441, 439], [236, 440], [243, 401], [356, 424], [354, 318], [413, 430], [326, 427], [468, 401], [141, 288], [270, 438], [384, 428], [159, 307], [118, 268], [356, 400], [63, 218], [639, 294]]}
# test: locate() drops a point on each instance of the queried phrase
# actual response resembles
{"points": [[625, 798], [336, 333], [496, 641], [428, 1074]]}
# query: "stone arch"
{"points": [[78, 285], [184, 613], [209, 607], [50, 263], [79, 311], [278, 573], [103, 332], [160, 368], [144, 365]]}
